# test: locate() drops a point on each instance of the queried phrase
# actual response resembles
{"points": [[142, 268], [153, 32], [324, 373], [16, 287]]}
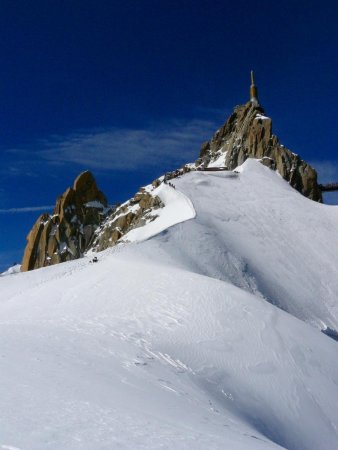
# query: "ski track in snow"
{"points": [[176, 342]]}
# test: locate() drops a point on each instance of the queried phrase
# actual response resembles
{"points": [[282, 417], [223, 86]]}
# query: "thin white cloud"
{"points": [[130, 149], [26, 209]]}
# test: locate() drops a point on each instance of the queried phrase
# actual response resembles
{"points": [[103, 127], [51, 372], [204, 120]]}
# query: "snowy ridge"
{"points": [[177, 208], [179, 341], [253, 230], [11, 270]]}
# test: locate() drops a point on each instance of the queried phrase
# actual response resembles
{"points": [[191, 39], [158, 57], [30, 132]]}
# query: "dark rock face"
{"points": [[248, 134], [67, 233]]}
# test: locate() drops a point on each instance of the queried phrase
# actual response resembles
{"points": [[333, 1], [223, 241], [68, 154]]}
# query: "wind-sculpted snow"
{"points": [[253, 230], [171, 343], [177, 208]]}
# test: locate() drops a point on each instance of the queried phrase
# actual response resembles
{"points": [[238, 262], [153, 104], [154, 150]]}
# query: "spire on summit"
{"points": [[253, 91]]}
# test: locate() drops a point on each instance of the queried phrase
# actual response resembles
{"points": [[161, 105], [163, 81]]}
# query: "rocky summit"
{"points": [[248, 134], [67, 233], [82, 221]]}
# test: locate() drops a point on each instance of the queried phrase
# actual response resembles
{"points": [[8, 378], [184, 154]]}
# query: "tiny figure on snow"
{"points": [[95, 259]]}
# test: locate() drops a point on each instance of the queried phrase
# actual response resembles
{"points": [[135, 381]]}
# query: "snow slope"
{"points": [[178, 208], [174, 342], [255, 231], [11, 270]]}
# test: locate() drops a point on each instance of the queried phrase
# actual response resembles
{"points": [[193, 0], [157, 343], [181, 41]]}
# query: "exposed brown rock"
{"points": [[205, 147], [33, 253], [67, 233], [135, 213], [248, 134], [87, 190]]}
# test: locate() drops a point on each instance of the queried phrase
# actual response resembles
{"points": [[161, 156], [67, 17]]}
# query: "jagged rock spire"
{"points": [[248, 134], [66, 234], [253, 91]]}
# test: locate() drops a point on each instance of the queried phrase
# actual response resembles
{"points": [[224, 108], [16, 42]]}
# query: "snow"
{"points": [[206, 336], [177, 208], [95, 204], [63, 248], [191, 166], [262, 117], [258, 233], [219, 161], [11, 270]]}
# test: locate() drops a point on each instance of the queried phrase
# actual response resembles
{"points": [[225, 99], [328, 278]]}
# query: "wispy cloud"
{"points": [[129, 149], [26, 209]]}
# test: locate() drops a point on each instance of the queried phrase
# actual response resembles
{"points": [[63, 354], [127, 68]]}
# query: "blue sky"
{"points": [[130, 89]]}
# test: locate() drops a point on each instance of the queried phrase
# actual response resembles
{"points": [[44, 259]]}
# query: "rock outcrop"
{"points": [[134, 213], [81, 221], [248, 134], [66, 234]]}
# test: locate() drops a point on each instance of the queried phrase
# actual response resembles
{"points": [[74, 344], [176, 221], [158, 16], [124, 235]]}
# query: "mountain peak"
{"points": [[86, 188], [248, 134], [81, 221], [66, 234]]}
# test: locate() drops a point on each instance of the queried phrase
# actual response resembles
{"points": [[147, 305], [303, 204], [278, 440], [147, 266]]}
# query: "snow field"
{"points": [[176, 341]]}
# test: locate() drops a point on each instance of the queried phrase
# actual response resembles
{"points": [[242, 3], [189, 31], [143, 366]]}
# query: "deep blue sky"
{"points": [[129, 89]]}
